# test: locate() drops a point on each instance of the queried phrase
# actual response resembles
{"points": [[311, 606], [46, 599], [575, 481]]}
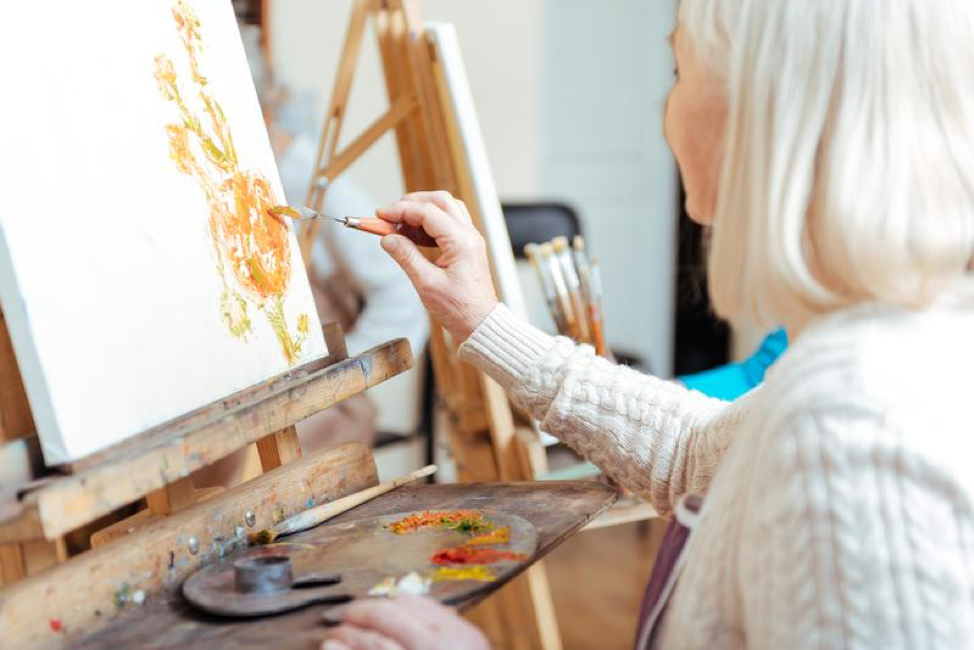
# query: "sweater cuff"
{"points": [[506, 347]]}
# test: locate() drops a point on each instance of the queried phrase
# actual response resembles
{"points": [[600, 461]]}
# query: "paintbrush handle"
{"points": [[314, 516], [381, 227]]}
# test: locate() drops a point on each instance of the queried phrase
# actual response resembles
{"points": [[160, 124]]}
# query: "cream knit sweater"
{"points": [[839, 494]]}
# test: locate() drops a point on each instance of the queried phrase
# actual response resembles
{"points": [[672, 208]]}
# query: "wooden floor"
{"points": [[597, 578]]}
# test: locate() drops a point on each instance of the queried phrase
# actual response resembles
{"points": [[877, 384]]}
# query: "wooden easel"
{"points": [[48, 594], [487, 440]]}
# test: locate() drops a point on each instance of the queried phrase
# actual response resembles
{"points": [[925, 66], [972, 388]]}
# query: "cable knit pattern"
{"points": [[840, 495]]}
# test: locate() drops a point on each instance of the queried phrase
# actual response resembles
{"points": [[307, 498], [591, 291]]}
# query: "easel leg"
{"points": [[279, 448], [544, 608], [12, 566], [17, 561]]}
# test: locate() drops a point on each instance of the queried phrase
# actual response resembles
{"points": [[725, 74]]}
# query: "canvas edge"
{"points": [[28, 359], [444, 38]]}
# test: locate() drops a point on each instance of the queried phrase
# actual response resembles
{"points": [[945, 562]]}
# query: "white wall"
{"points": [[570, 97], [606, 71]]}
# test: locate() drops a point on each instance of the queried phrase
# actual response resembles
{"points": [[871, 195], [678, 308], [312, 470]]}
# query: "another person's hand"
{"points": [[403, 623], [456, 288]]}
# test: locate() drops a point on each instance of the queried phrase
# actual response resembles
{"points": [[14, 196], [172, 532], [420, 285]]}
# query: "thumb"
{"points": [[407, 255]]}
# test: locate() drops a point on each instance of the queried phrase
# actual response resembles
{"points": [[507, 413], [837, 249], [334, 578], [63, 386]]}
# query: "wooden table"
{"points": [[557, 509]]}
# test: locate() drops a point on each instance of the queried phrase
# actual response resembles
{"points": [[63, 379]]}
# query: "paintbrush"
{"points": [[533, 253], [373, 225], [561, 291], [564, 255], [314, 516], [591, 308], [582, 266], [598, 311]]}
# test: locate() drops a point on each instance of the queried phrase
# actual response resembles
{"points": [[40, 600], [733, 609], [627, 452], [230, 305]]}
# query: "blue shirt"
{"points": [[730, 381]]}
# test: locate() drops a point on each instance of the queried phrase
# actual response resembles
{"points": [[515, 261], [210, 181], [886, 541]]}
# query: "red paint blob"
{"points": [[467, 555], [55, 624]]}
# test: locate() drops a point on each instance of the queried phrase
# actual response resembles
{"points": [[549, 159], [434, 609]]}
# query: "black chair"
{"points": [[539, 222]]}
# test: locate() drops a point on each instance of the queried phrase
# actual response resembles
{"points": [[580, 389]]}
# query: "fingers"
{"points": [[420, 270], [444, 201], [424, 607], [348, 637], [428, 216], [390, 619]]}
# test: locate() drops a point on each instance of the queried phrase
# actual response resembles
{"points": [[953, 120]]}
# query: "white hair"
{"points": [[849, 153]]}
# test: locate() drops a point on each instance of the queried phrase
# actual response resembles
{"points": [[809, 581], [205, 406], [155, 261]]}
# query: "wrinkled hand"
{"points": [[403, 623], [456, 288]]}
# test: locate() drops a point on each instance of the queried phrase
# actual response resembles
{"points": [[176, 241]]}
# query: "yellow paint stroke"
{"points": [[251, 245], [500, 535], [477, 572]]}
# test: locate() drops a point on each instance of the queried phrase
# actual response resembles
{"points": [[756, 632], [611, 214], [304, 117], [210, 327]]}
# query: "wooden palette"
{"points": [[343, 561]]}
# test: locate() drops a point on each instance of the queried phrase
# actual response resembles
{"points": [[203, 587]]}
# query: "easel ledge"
{"points": [[170, 452]]}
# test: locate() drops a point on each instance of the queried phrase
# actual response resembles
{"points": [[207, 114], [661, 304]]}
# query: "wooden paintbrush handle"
{"points": [[381, 227], [314, 516]]}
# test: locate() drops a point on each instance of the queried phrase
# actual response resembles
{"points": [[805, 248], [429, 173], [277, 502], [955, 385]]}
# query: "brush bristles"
{"points": [[262, 537], [560, 244]]}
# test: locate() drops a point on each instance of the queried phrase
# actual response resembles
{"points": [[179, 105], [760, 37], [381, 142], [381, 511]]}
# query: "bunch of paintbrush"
{"points": [[572, 286]]}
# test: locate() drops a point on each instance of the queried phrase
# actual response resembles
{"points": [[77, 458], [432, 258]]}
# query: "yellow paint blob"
{"points": [[477, 572], [498, 536]]}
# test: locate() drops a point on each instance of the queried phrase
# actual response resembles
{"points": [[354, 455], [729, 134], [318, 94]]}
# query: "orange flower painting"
{"points": [[252, 247]]}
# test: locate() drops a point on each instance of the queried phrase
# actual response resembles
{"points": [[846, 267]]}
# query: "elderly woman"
{"points": [[830, 145]]}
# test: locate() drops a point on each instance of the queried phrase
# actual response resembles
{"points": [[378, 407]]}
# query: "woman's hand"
{"points": [[403, 623], [456, 288]]}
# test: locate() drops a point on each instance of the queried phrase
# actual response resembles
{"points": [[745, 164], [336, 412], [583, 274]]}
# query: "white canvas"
{"points": [[140, 274], [462, 110]]}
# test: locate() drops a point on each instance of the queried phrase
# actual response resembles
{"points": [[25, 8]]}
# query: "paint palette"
{"points": [[458, 553]]}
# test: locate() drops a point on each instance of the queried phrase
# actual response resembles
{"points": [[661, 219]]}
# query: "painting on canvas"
{"points": [[143, 273]]}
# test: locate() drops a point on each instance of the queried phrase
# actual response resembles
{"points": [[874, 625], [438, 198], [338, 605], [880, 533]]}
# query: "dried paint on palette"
{"points": [[500, 535], [477, 573], [468, 555], [410, 584], [464, 521]]}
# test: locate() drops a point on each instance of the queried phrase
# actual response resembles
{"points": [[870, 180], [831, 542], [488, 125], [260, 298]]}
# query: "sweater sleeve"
{"points": [[655, 438], [866, 539]]}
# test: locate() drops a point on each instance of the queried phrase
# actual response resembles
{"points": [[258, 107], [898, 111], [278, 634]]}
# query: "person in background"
{"points": [[353, 281], [830, 144], [730, 381]]}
